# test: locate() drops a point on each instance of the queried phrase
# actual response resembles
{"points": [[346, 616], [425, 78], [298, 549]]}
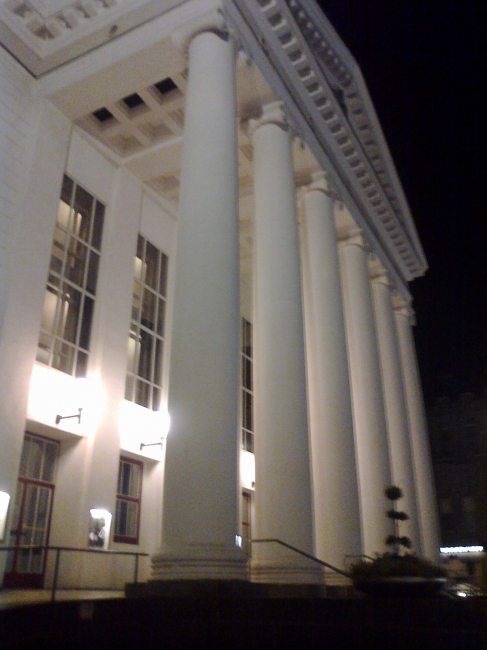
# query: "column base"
{"points": [[333, 579], [286, 574], [200, 562]]}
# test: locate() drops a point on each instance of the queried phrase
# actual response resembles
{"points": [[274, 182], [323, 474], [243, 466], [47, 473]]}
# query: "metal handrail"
{"points": [[58, 550], [303, 553]]}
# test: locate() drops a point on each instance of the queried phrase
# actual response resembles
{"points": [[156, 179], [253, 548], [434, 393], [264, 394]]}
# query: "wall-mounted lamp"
{"points": [[4, 501], [151, 444], [67, 417]]}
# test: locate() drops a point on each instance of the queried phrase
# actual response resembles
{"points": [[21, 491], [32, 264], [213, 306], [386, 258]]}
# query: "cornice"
{"points": [[322, 81]]}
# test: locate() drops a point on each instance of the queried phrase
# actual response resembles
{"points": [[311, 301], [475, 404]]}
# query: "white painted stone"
{"points": [[395, 407], [200, 494], [337, 529], [368, 405], [423, 469], [283, 490]]}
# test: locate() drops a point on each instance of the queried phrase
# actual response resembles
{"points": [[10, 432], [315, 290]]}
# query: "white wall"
{"points": [[88, 468], [34, 140]]}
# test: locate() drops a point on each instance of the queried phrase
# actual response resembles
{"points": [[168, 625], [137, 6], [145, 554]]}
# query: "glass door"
{"points": [[32, 513]]}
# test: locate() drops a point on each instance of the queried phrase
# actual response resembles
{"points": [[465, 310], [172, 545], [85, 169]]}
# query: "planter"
{"points": [[398, 586]]}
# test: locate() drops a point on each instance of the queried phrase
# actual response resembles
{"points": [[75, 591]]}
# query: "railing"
{"points": [[58, 550], [303, 553]]}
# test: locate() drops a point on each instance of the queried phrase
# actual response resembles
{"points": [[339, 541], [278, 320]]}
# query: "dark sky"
{"points": [[425, 64]]}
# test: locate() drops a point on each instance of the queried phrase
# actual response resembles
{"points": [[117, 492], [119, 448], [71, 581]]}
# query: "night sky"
{"points": [[425, 65]]}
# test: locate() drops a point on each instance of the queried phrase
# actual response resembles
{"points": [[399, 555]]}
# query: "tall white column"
{"points": [[283, 484], [200, 492], [425, 490], [336, 505], [395, 404], [367, 397]]}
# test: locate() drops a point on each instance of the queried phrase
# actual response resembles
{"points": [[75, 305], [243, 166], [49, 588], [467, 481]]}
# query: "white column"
{"points": [[395, 404], [283, 484], [425, 490], [367, 397], [336, 505], [200, 492]]}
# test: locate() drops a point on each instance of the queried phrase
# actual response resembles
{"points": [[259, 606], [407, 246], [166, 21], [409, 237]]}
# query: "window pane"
{"points": [[156, 399], [92, 276], [84, 338], [49, 310], [145, 360], [83, 205], [158, 363], [98, 225], [50, 456], [134, 481], [63, 214], [132, 352], [161, 314], [81, 364], [136, 301], [67, 189], [140, 256], [151, 261], [249, 373], [63, 357], [58, 250], [163, 275], [142, 393], [69, 312], [148, 315], [30, 465], [75, 265], [145, 349]]}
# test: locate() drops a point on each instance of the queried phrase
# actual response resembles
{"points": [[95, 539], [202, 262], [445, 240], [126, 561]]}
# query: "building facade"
{"points": [[203, 233], [457, 430]]}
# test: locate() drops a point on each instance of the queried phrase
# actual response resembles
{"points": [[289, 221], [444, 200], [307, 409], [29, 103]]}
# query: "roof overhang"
{"points": [[309, 67]]}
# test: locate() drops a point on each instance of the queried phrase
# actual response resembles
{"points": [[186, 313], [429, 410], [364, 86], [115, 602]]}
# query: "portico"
{"points": [[248, 126]]}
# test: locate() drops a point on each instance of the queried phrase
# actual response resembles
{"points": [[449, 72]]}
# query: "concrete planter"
{"points": [[398, 586]]}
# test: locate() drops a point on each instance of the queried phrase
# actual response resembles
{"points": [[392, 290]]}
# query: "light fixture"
{"points": [[160, 420], [461, 549], [67, 417], [80, 397], [151, 444], [4, 501], [99, 531]]}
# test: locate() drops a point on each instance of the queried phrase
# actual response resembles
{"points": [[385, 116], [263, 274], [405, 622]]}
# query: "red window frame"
{"points": [[128, 539]]}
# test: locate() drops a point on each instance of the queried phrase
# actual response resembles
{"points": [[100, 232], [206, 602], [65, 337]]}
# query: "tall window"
{"points": [[247, 388], [127, 510], [146, 337], [64, 341]]}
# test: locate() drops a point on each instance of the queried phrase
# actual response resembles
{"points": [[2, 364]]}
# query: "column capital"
{"points": [[209, 21], [402, 307], [320, 182], [352, 237], [377, 272], [272, 113]]}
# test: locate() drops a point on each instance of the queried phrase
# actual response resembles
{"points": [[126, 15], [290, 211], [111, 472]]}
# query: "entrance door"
{"points": [[246, 522], [32, 514]]}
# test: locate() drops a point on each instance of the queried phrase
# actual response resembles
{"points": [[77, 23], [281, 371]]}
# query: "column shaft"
{"points": [[283, 488], [336, 505], [425, 490], [367, 397], [200, 493], [395, 405]]}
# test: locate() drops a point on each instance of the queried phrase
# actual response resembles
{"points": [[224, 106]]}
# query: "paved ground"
{"points": [[19, 597]]}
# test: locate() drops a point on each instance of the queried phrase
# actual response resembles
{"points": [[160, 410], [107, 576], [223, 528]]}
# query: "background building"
{"points": [[198, 204]]}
